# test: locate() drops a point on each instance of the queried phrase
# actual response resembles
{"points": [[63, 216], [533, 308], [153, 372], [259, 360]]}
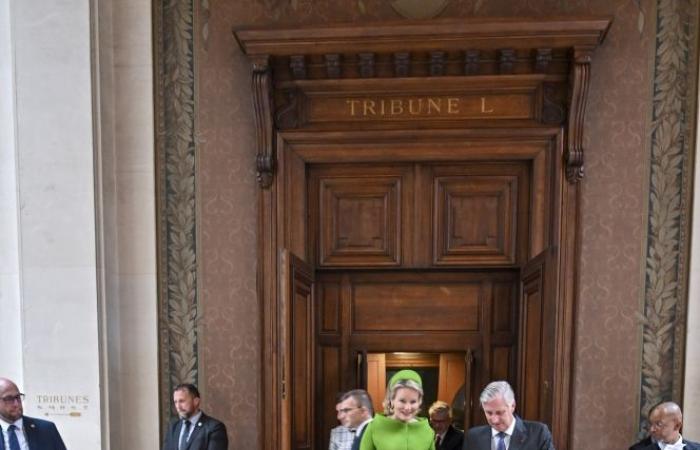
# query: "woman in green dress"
{"points": [[399, 428]]}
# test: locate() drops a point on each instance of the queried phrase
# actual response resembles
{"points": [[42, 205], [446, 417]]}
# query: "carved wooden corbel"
{"points": [[262, 106], [578, 82]]}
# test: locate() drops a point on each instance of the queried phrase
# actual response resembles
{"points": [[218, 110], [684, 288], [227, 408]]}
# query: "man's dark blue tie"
{"points": [[12, 435], [185, 434], [501, 444]]}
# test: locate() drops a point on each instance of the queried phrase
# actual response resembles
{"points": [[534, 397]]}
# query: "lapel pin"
{"points": [[32, 425], [199, 424]]}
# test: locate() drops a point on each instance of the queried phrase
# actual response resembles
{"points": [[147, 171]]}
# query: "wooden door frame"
{"points": [[294, 68], [298, 149]]}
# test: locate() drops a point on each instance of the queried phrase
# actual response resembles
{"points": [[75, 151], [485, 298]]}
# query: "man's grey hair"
{"points": [[361, 397], [498, 389]]}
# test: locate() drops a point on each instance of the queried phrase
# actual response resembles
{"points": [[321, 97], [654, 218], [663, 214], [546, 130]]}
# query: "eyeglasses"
{"points": [[347, 410], [12, 398]]}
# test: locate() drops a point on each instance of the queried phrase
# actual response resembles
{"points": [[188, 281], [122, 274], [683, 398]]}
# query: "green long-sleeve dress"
{"points": [[384, 433]]}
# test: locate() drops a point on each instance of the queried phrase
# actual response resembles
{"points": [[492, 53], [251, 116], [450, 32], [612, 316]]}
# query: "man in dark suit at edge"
{"points": [[665, 424], [193, 430], [19, 431], [505, 431], [447, 437]]}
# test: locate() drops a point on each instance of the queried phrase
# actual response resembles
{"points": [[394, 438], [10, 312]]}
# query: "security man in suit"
{"points": [[505, 431], [447, 437], [665, 424], [193, 430], [19, 431]]}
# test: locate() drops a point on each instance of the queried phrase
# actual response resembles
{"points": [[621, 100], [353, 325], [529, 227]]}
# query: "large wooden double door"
{"points": [[418, 208], [436, 251]]}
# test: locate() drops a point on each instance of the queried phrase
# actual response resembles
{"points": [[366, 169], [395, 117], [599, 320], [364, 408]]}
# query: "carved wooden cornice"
{"points": [[449, 34], [288, 62]]}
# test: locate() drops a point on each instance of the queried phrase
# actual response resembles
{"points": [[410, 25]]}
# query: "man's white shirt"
{"points": [[508, 432], [21, 437]]}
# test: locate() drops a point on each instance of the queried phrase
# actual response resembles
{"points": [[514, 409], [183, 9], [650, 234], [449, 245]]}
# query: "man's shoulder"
{"points": [[691, 445], [453, 430], [38, 423], [474, 431], [641, 444], [205, 419], [339, 430]]}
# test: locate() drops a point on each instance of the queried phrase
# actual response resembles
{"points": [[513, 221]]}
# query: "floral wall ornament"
{"points": [[665, 296]]}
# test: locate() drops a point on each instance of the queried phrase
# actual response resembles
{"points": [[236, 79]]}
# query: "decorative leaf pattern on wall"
{"points": [[669, 190], [175, 148]]}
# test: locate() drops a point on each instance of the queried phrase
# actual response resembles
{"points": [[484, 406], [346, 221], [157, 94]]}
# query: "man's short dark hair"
{"points": [[189, 387], [362, 399]]}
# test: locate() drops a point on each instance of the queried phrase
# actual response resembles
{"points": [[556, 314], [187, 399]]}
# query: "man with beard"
{"points": [[193, 430]]}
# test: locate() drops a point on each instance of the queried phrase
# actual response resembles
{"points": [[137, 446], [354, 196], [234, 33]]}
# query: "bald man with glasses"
{"points": [[20, 432]]}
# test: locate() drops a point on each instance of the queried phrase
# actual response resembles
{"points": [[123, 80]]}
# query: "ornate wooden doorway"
{"points": [[418, 197]]}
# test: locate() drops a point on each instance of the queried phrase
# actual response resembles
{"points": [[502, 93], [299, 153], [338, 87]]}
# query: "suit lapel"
{"points": [[195, 431], [519, 435], [30, 432], [485, 438], [2, 440], [175, 436]]}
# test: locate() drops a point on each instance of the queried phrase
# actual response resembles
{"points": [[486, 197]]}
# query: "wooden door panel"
{"points": [[329, 307], [475, 219], [451, 375], [501, 363], [412, 307], [536, 356], [361, 215], [297, 352], [329, 387], [504, 307], [376, 379]]}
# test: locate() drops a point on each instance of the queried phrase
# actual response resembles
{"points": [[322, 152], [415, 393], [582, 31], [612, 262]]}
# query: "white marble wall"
{"points": [[129, 248], [77, 258], [691, 400], [10, 323], [54, 188]]}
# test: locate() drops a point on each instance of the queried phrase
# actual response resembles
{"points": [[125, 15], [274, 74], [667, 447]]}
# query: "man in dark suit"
{"points": [[447, 437], [20, 431], [505, 431], [193, 430], [665, 424]]}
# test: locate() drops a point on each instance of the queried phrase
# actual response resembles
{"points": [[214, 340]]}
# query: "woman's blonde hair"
{"points": [[391, 393]]}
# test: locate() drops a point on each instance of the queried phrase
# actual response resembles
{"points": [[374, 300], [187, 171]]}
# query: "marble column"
{"points": [[691, 389], [77, 255]]}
